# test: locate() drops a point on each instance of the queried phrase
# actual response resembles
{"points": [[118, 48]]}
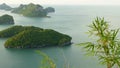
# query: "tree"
{"points": [[107, 45]]}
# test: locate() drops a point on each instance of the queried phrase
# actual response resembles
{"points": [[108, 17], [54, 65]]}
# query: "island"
{"points": [[9, 32], [49, 9], [4, 6], [6, 19], [33, 37], [32, 10]]}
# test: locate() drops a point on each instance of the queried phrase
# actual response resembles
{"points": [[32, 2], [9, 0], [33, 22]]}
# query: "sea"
{"points": [[67, 19]]}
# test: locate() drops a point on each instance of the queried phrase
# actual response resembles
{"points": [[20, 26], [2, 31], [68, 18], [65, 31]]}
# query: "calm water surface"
{"points": [[71, 20]]}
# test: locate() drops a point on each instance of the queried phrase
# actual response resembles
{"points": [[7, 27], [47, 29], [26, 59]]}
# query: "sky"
{"points": [[64, 2]]}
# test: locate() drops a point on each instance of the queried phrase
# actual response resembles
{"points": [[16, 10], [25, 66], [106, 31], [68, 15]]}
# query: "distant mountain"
{"points": [[5, 7], [32, 10], [6, 19]]}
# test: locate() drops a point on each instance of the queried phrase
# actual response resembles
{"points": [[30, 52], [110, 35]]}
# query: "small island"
{"points": [[33, 10], [49, 9], [33, 37], [6, 19], [4, 6]]}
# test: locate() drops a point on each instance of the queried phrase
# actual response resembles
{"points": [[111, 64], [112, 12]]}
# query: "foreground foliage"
{"points": [[106, 46], [47, 62]]}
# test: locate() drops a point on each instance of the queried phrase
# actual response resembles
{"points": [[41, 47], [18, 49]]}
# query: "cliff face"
{"points": [[5, 7], [6, 19]]}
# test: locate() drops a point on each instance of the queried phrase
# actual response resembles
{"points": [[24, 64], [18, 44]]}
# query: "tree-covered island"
{"points": [[33, 10], [6, 19], [33, 37]]}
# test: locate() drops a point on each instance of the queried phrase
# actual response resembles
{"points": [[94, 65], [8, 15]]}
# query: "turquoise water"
{"points": [[71, 20]]}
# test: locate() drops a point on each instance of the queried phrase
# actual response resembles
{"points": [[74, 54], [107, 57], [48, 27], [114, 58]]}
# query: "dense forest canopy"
{"points": [[33, 37], [6, 19]]}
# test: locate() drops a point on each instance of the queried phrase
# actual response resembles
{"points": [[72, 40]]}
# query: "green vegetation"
{"points": [[47, 62], [12, 31], [5, 7], [6, 19], [31, 10], [106, 46], [33, 37]]}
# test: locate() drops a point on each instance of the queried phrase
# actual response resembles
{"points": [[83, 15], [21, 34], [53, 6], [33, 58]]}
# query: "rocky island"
{"points": [[49, 9], [5, 7], [33, 37], [6, 19], [33, 10]]}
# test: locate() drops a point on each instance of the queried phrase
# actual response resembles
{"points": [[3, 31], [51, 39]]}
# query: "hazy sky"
{"points": [[65, 2]]}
